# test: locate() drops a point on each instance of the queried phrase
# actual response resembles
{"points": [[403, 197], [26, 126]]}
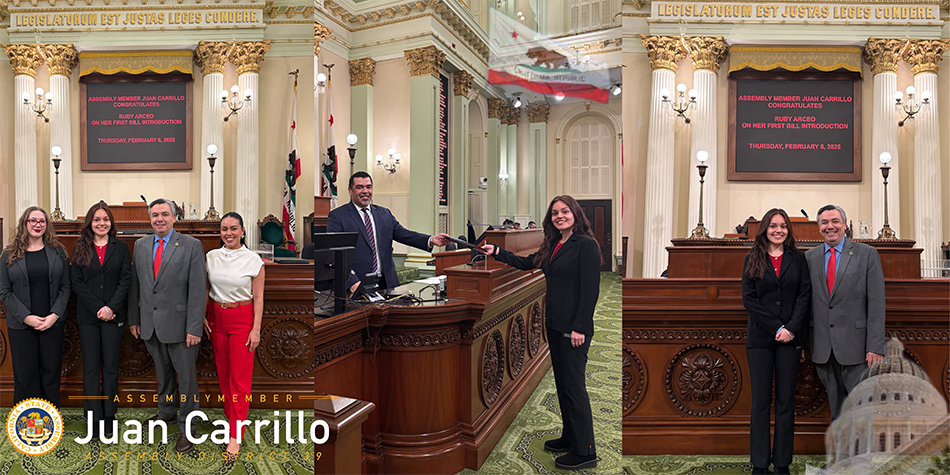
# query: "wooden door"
{"points": [[598, 212]]}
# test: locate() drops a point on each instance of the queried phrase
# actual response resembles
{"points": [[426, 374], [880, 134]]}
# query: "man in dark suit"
{"points": [[847, 307], [378, 229], [166, 310]]}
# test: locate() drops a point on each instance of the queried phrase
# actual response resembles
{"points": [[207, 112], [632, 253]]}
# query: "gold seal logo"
{"points": [[34, 426]]}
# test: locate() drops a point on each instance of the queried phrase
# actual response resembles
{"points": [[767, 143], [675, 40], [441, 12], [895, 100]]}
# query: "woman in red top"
{"points": [[570, 259]]}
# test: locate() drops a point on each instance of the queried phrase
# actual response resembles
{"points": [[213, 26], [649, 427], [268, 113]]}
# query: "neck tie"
{"points": [[831, 271], [158, 257], [372, 238]]}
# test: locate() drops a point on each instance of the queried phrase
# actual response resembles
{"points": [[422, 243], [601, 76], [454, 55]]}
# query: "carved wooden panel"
{"points": [[3, 348], [425, 339], [493, 367], [134, 359], [516, 345], [634, 379], [288, 351], [206, 366], [536, 329], [702, 380], [946, 382], [810, 395], [72, 354], [334, 351]]}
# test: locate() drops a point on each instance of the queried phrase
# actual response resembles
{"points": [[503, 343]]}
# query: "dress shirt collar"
{"points": [[838, 247]]}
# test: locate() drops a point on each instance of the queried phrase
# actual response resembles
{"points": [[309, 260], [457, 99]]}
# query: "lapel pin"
{"points": [[176, 244], [850, 253]]}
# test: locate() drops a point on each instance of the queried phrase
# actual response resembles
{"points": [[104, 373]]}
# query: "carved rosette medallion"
{"points": [[516, 346], [496, 108], [883, 54], [362, 71], [134, 359], [664, 51], [331, 353], [446, 337], [248, 56], [535, 329], [286, 349], [72, 354], [707, 52], [206, 365], [61, 59], [925, 55], [3, 348], [23, 59], [425, 61], [462, 83], [320, 34], [810, 395], [210, 56], [493, 367], [634, 379], [538, 112], [702, 380]]}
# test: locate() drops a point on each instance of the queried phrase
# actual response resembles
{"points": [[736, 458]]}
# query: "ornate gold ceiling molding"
{"points": [[289, 11], [638, 4], [320, 34]]}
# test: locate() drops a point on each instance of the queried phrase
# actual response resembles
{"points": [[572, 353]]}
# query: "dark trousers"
{"points": [[839, 380], [37, 363], [569, 365], [103, 338], [171, 359], [781, 360]]}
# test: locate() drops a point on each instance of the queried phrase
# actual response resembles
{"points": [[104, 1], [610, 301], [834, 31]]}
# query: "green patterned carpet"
{"points": [[706, 464], [521, 449], [70, 457]]}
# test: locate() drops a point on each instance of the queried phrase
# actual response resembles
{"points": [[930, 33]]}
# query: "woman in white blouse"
{"points": [[233, 322]]}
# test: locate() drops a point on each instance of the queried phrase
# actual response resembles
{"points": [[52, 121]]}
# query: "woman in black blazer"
{"points": [[101, 275], [776, 291], [34, 288], [570, 259]]}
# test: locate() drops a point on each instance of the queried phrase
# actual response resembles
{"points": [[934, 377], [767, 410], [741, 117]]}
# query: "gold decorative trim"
{"points": [[511, 115], [60, 58], [362, 72], [320, 34], [462, 83], [925, 55], [216, 6], [24, 58], [210, 56], [133, 54], [883, 54], [796, 49], [496, 108], [636, 15], [248, 56], [664, 51], [424, 61], [810, 64], [538, 112], [707, 52], [109, 72]]}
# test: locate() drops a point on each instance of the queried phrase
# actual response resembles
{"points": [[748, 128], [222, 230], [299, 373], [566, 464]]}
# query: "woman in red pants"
{"points": [[233, 321]]}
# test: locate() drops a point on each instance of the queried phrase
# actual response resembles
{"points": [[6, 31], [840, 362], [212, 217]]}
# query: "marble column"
{"points": [[247, 57], [320, 34], [210, 57], [362, 72], [924, 56], [23, 60], [424, 65], [883, 55], [61, 60], [664, 52], [460, 157], [496, 108], [512, 119], [537, 158], [707, 54]]}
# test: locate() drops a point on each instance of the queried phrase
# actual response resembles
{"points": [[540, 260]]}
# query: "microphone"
{"points": [[143, 198], [804, 213]]}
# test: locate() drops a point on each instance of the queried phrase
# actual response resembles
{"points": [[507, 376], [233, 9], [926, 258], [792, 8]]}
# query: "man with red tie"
{"points": [[847, 285], [166, 310], [378, 229]]}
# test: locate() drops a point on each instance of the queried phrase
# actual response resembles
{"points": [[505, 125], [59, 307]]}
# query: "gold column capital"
{"points": [[23, 59], [512, 115], [248, 56], [60, 58], [362, 71], [496, 108], [425, 61], [462, 83], [538, 112], [664, 51], [320, 34], [211, 56], [707, 52], [924, 55], [883, 54]]}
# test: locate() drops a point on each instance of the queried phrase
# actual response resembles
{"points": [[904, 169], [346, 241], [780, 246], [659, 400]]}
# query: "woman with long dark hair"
{"points": [[101, 276], [233, 322], [570, 258], [776, 291], [34, 288]]}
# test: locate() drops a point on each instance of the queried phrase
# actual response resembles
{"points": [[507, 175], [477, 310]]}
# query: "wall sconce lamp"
{"points": [[503, 178], [56, 151], [886, 231], [39, 106], [234, 103], [391, 165], [615, 90], [680, 105], [321, 83], [516, 102], [912, 106], [352, 139]]}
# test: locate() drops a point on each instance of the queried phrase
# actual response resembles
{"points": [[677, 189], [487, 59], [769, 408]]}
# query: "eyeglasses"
{"points": [[34, 222]]}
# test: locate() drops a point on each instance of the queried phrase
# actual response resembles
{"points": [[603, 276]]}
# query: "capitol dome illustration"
{"points": [[895, 411]]}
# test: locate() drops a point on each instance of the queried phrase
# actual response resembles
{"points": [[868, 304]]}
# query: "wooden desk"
{"points": [[283, 364], [447, 379]]}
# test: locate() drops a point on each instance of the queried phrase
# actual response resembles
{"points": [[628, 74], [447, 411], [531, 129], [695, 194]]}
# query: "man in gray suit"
{"points": [[166, 310], [847, 307]]}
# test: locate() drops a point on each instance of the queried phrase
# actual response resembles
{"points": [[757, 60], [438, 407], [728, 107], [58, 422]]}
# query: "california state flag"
{"points": [[291, 175], [518, 56]]}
